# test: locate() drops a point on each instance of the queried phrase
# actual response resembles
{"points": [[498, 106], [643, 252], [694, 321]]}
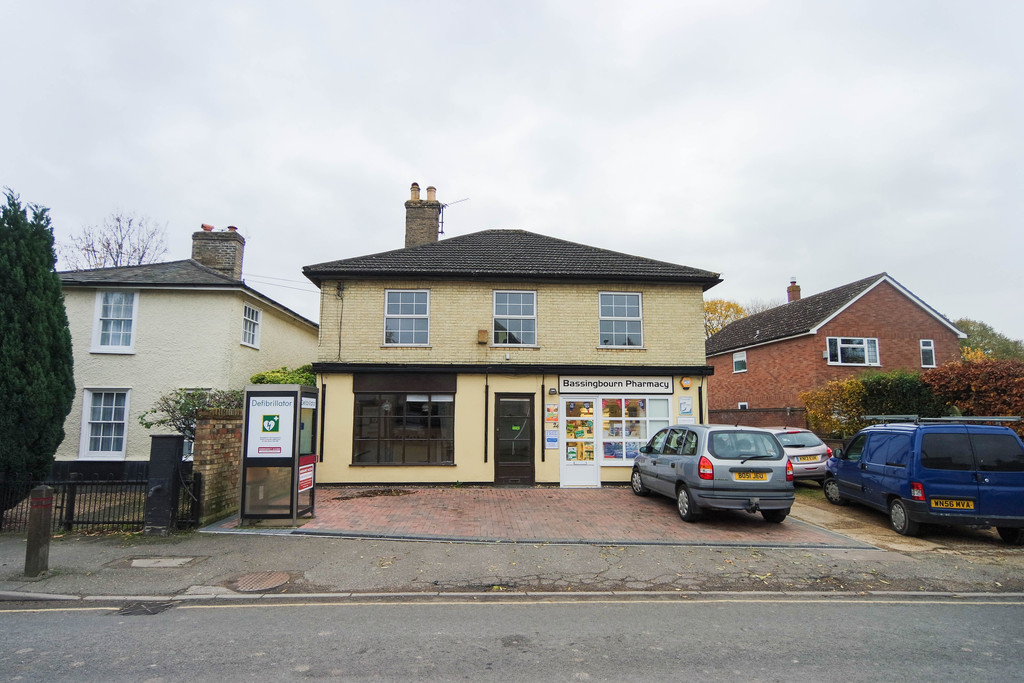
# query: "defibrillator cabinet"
{"points": [[279, 453]]}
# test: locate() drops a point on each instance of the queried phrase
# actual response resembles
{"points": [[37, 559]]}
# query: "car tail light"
{"points": [[705, 470], [828, 451], [917, 490], [789, 471]]}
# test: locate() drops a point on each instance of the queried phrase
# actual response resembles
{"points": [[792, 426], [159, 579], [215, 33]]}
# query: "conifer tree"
{"points": [[37, 382]]}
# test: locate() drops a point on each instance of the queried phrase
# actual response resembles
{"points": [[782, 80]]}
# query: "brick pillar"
{"points": [[217, 456]]}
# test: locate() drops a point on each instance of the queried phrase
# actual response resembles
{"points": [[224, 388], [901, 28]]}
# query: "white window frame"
{"points": [[927, 345], [97, 327], [495, 317], [252, 325], [738, 358], [84, 452], [742, 405], [639, 318], [406, 316], [868, 344]]}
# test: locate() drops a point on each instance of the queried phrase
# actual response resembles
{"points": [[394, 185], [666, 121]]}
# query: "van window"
{"points": [[946, 452], [998, 452], [856, 447], [897, 452]]}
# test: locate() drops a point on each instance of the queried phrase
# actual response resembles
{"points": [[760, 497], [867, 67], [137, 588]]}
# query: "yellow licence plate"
{"points": [[806, 458], [951, 504], [750, 476]]}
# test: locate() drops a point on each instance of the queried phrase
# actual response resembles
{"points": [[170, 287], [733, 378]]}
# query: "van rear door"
{"points": [[948, 472], [1000, 457]]}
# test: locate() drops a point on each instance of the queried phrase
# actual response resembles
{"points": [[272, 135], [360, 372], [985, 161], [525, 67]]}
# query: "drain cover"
{"points": [[144, 609], [261, 581]]}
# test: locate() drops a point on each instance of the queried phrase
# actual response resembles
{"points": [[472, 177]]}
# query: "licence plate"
{"points": [[952, 504], [750, 476], [806, 458]]}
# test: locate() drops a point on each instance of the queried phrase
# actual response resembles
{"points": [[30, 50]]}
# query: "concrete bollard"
{"points": [[40, 516]]}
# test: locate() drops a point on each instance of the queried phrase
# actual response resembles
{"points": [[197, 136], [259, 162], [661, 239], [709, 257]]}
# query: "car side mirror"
{"points": [[645, 449], [838, 453]]}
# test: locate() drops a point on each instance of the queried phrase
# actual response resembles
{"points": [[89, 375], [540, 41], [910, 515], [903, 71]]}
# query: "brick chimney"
{"points": [[221, 251], [421, 217], [793, 291]]}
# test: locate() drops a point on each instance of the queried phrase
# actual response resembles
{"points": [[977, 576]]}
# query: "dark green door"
{"points": [[513, 450]]}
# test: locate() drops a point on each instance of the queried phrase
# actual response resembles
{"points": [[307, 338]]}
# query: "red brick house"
{"points": [[762, 363]]}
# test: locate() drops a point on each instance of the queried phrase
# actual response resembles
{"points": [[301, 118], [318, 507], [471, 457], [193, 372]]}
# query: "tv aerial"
{"points": [[440, 228]]}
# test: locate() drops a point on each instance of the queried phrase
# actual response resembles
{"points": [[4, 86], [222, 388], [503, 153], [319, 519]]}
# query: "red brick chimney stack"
{"points": [[793, 291]]}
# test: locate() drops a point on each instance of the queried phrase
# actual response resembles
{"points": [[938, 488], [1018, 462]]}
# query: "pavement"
{"points": [[539, 541]]}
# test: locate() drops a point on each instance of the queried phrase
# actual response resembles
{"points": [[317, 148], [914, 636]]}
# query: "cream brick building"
{"points": [[502, 356], [139, 332]]}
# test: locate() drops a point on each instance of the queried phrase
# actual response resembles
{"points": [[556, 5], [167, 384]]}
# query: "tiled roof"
{"points": [[513, 255], [171, 273], [788, 320]]}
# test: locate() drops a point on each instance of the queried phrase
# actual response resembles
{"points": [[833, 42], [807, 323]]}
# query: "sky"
{"points": [[822, 141]]}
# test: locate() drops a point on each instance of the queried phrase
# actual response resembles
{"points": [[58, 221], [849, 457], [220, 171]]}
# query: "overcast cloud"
{"points": [[823, 140]]}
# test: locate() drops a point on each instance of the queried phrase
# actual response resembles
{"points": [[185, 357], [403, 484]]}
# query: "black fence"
{"points": [[94, 505]]}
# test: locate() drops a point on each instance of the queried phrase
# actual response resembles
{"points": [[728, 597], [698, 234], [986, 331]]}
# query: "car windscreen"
{"points": [[798, 439], [998, 452], [738, 445]]}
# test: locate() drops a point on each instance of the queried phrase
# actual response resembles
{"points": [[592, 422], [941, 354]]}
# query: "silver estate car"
{"points": [[716, 467], [806, 451]]}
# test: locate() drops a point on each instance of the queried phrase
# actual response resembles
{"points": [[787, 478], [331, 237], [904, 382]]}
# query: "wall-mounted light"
{"points": [[552, 391]]}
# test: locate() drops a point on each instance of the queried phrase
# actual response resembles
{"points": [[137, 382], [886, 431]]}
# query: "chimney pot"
{"points": [[232, 228], [415, 192], [431, 194], [207, 227]]}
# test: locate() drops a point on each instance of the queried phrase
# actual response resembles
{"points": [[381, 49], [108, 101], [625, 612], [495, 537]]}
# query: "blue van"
{"points": [[934, 473]]}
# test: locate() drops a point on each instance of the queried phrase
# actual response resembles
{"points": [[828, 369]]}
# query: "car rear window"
{"points": [[946, 452], [738, 445], [998, 452], [798, 439]]}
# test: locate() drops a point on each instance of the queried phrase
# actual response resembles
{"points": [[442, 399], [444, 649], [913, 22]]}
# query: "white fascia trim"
{"points": [[903, 290]]}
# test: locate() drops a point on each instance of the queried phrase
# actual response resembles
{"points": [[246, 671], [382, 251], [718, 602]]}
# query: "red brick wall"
{"points": [[778, 373], [217, 456]]}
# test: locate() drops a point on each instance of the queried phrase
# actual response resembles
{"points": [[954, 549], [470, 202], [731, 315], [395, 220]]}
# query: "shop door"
{"points": [[578, 468], [513, 439]]}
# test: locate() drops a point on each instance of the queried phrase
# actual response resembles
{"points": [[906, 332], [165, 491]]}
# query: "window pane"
{"points": [[946, 452]]}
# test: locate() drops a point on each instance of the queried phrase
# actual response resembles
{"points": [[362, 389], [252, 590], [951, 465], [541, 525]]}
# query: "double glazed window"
{"points": [[407, 317], [251, 326], [852, 351], [927, 353], [739, 361], [114, 330], [515, 318], [404, 429], [104, 424], [621, 322]]}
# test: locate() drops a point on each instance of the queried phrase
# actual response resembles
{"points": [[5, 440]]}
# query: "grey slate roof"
{"points": [[797, 317], [511, 255], [171, 274]]}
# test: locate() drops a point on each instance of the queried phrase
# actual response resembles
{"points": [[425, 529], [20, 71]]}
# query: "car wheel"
{"points": [[637, 484], [831, 489], [688, 510], [774, 516], [1011, 535], [900, 519]]}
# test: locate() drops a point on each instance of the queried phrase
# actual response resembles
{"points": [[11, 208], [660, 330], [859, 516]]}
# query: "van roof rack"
{"points": [[917, 419]]}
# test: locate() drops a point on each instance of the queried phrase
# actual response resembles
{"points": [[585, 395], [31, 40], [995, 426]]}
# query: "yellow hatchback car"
{"points": [[716, 467]]}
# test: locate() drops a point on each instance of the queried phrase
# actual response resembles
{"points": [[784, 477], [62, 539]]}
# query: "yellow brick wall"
{"points": [[351, 325]]}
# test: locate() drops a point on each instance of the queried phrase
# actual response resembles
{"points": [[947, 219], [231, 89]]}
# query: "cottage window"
{"points": [[114, 327], [404, 429], [621, 319], [407, 317], [251, 326], [852, 351], [515, 318], [104, 424], [927, 353], [739, 361]]}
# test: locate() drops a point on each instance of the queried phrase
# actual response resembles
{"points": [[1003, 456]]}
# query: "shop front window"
{"points": [[404, 429], [579, 431], [627, 424]]}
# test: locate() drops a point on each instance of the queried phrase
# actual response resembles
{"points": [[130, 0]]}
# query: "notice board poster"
{"points": [[271, 426]]}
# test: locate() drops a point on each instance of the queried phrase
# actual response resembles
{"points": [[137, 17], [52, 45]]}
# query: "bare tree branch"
{"points": [[124, 239]]}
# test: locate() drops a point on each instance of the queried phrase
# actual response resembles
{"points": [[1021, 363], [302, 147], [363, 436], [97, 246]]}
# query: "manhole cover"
{"points": [[144, 609], [261, 581]]}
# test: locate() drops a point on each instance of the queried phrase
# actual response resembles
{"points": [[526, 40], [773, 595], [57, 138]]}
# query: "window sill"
{"points": [[515, 346], [856, 365], [114, 350], [401, 464], [405, 346], [621, 348], [95, 457]]}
